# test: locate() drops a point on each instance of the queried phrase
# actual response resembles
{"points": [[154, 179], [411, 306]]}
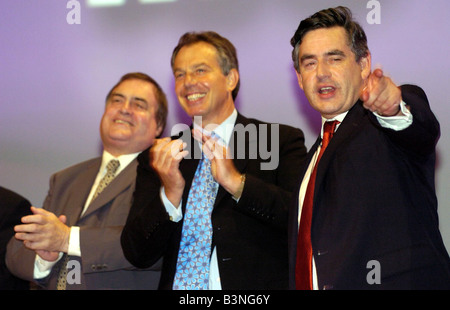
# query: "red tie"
{"points": [[303, 268]]}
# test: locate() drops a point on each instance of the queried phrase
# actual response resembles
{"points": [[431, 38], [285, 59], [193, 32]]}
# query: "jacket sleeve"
{"points": [[267, 193], [147, 231], [421, 137]]}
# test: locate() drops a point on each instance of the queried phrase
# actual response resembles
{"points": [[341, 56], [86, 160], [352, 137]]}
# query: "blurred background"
{"points": [[58, 60]]}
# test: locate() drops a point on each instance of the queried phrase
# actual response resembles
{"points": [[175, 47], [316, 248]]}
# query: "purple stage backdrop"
{"points": [[59, 58]]}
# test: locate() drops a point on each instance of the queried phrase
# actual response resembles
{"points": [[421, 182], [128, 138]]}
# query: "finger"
{"points": [[41, 212], [28, 228], [198, 135], [216, 147], [29, 219], [376, 84], [156, 151], [176, 146], [378, 73], [63, 218]]}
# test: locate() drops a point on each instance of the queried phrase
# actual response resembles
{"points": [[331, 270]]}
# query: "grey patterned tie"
{"points": [[111, 169]]}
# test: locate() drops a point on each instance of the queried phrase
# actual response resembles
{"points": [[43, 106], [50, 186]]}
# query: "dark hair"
{"points": [[226, 52], [161, 99], [332, 17]]}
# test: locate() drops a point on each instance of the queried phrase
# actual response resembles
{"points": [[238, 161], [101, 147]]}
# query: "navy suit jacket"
{"points": [[375, 200], [250, 236], [12, 208]]}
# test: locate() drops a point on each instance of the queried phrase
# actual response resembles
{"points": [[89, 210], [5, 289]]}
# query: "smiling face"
{"points": [[201, 86], [129, 124], [329, 74]]}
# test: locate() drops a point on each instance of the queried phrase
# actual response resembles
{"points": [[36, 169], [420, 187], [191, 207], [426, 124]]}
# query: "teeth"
{"points": [[121, 122], [195, 96], [326, 90]]}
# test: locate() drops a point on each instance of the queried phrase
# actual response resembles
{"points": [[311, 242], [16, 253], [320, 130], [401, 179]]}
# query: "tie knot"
{"points": [[112, 166], [328, 131], [330, 127]]}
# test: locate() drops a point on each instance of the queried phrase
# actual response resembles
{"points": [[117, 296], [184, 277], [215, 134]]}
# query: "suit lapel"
{"points": [[189, 166], [120, 183], [349, 126], [82, 185]]}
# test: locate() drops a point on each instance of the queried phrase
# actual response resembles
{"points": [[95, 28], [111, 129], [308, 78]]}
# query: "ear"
{"points": [[365, 64], [159, 130], [300, 79], [232, 79]]}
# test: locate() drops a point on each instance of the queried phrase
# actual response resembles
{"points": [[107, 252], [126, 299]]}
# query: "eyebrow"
{"points": [[195, 66], [133, 98], [334, 52]]}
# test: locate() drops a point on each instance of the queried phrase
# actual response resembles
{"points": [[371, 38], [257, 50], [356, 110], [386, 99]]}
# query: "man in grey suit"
{"points": [[78, 231]]}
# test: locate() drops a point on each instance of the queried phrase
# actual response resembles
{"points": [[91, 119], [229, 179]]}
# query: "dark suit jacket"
{"points": [[250, 236], [375, 200], [103, 265], [12, 208]]}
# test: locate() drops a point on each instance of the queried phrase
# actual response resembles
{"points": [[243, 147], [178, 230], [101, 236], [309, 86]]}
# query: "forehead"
{"points": [[321, 40], [135, 88], [196, 53]]}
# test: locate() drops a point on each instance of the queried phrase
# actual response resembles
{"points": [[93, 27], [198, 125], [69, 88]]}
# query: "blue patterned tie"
{"points": [[195, 247]]}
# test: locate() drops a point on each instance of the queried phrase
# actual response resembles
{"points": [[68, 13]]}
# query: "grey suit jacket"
{"points": [[103, 265]]}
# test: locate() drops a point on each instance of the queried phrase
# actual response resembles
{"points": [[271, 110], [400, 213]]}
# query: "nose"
{"points": [[190, 79], [323, 71], [125, 108]]}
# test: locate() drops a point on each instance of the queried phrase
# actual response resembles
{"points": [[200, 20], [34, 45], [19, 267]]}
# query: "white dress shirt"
{"points": [[224, 131]]}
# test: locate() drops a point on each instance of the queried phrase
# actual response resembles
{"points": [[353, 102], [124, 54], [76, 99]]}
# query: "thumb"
{"points": [[63, 219]]}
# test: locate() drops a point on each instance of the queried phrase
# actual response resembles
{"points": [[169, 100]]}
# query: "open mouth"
{"points": [[326, 90], [119, 121], [195, 97]]}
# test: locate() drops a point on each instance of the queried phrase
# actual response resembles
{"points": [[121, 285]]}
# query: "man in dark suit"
{"points": [[12, 208], [374, 218], [78, 223], [249, 216]]}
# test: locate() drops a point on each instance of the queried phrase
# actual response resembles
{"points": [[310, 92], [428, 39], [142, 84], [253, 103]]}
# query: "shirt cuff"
{"points": [[43, 267], [397, 123], [176, 214], [74, 242]]}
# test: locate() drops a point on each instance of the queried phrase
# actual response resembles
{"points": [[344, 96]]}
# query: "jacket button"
{"points": [[319, 253], [327, 287]]}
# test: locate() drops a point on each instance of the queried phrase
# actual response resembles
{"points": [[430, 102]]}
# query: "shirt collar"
{"points": [[224, 130], [124, 161], [339, 118]]}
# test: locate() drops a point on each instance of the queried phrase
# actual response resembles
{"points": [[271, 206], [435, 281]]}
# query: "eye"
{"points": [[116, 100], [200, 71], [139, 105], [335, 59], [309, 64], [178, 75]]}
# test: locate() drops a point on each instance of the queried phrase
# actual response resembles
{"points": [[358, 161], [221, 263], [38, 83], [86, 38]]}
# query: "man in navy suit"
{"points": [[249, 216], [374, 219]]}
